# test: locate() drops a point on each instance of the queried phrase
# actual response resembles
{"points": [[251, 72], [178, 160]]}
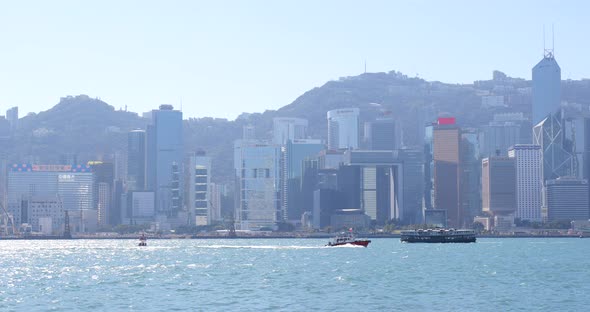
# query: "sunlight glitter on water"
{"points": [[298, 275]]}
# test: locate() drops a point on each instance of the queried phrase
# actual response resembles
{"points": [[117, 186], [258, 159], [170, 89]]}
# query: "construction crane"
{"points": [[7, 218]]}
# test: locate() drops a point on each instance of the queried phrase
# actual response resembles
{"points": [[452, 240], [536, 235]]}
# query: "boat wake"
{"points": [[346, 246], [258, 247]]}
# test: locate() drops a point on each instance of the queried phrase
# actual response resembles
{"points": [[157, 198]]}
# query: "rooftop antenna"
{"points": [[365, 66], [544, 47], [552, 40], [549, 53]]}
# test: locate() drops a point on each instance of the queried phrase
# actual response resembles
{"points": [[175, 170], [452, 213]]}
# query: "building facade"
{"points": [[343, 128], [46, 215], [529, 184], [546, 87], [498, 180], [446, 157], [199, 189], [257, 170], [136, 154], [165, 159], [293, 155], [74, 185], [558, 157], [567, 199], [285, 129], [382, 134]]}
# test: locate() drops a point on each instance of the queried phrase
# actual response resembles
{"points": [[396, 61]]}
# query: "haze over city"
{"points": [[294, 156], [222, 58]]}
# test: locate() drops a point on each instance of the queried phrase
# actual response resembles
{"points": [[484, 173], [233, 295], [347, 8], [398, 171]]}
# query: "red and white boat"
{"points": [[348, 239]]}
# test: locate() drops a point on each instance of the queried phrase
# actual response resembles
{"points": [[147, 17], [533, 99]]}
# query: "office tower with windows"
{"points": [[529, 184], [293, 155], [446, 157], [567, 199], [257, 171], [285, 128], [343, 128], [199, 188], [164, 161], [136, 154], [546, 87]]}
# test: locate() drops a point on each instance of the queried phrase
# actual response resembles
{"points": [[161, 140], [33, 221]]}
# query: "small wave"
{"points": [[197, 265]]}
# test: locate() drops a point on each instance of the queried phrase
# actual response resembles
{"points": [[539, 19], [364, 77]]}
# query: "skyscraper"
{"points": [[12, 117], [558, 157], [343, 128], [295, 152], [199, 188], [529, 184], [447, 170], [413, 185], [257, 172], [497, 137], [73, 185], [498, 179], [285, 128], [389, 184], [382, 134], [470, 174], [567, 199], [103, 189], [546, 87], [136, 160], [165, 159]]}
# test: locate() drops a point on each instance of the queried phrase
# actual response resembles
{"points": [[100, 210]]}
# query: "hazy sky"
{"points": [[221, 58]]}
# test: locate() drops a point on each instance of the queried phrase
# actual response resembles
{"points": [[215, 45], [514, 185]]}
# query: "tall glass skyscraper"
{"points": [[165, 158], [136, 160], [295, 152], [546, 88], [285, 129], [343, 128], [257, 175]]}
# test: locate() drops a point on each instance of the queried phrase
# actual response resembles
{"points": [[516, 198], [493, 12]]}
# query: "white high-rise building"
{"points": [[343, 128], [199, 189], [257, 168], [285, 129], [529, 181]]}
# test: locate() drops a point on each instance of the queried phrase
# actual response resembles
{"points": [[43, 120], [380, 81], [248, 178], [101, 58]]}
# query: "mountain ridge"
{"points": [[92, 129]]}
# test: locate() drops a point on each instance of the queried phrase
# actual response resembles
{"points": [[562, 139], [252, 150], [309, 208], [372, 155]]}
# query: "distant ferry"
{"points": [[438, 236]]}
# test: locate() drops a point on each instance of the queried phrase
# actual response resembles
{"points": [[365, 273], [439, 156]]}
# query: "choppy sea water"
{"points": [[519, 274]]}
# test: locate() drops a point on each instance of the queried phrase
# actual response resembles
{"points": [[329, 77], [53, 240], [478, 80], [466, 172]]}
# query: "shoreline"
{"points": [[207, 237]]}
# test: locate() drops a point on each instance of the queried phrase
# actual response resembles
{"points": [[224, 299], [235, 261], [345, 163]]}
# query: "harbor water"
{"points": [[505, 274]]}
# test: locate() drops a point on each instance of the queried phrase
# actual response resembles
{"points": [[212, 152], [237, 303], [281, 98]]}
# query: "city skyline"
{"points": [[221, 45]]}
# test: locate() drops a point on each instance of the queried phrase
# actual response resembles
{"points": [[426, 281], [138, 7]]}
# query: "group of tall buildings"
{"points": [[300, 181], [163, 186], [515, 167], [548, 179]]}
